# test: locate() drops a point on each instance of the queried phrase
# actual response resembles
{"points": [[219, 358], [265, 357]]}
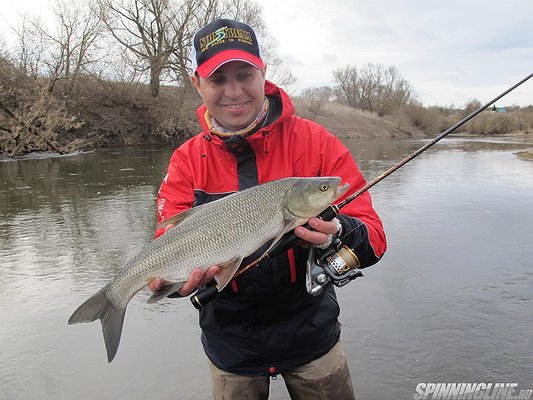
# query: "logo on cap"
{"points": [[221, 41], [222, 34]]}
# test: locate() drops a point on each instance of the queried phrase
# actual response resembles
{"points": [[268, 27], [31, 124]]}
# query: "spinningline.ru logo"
{"points": [[475, 391]]}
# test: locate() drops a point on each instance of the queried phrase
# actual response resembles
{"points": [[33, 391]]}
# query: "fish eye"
{"points": [[324, 187]]}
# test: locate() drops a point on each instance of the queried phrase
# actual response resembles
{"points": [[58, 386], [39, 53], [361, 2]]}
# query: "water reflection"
{"points": [[450, 302]]}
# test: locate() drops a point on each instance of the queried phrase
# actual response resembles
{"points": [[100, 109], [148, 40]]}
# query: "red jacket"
{"points": [[259, 322]]}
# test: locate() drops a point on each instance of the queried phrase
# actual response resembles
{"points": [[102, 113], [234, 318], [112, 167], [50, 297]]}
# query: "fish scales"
{"points": [[200, 236], [222, 232]]}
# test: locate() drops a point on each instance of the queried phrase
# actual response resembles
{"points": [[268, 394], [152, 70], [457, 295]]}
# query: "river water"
{"points": [[451, 301]]}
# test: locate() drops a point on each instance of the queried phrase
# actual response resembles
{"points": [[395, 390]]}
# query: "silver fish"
{"points": [[222, 233]]}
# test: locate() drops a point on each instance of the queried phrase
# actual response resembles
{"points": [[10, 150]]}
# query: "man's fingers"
{"points": [[313, 237], [319, 234], [197, 277], [319, 225], [155, 284], [192, 283], [209, 275]]}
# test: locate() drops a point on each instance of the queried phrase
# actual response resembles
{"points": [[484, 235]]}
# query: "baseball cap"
{"points": [[222, 41]]}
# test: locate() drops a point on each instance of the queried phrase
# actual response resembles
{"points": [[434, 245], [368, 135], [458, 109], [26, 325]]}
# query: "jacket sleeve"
{"points": [[176, 193], [362, 229]]}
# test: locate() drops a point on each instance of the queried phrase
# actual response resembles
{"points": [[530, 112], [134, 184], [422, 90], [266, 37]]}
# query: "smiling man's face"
{"points": [[233, 94]]}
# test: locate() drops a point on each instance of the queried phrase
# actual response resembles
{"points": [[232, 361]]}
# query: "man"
{"points": [[264, 323]]}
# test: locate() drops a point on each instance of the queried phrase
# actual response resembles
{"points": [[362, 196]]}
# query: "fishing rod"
{"points": [[289, 240]]}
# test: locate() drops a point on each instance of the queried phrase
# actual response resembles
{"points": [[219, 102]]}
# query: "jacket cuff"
{"points": [[355, 236]]}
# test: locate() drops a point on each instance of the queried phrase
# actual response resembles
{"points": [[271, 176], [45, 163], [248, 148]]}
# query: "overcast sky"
{"points": [[450, 51]]}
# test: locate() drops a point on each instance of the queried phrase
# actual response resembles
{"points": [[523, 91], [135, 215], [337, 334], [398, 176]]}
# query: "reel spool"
{"points": [[338, 265]]}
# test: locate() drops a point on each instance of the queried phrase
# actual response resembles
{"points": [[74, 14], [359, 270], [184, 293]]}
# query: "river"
{"points": [[451, 301]]}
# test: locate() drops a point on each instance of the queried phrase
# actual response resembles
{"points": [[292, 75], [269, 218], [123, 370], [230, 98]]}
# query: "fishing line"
{"points": [[480, 137], [290, 239], [485, 133]]}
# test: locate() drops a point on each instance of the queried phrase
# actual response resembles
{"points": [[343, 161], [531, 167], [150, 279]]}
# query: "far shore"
{"points": [[526, 138]]}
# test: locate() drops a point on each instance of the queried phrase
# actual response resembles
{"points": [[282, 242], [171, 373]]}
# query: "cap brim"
{"points": [[215, 62]]}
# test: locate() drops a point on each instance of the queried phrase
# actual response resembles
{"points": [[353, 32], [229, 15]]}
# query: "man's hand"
{"points": [[320, 233], [197, 277]]}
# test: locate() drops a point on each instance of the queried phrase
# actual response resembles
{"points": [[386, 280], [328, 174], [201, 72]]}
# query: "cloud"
{"points": [[449, 51]]}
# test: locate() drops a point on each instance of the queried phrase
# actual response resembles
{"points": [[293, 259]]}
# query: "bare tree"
{"points": [[157, 34], [63, 50], [472, 125], [183, 29], [277, 71], [348, 85], [34, 116], [151, 31], [78, 33], [393, 93], [246, 11], [371, 76], [358, 86], [374, 87], [30, 47], [251, 13], [316, 97]]}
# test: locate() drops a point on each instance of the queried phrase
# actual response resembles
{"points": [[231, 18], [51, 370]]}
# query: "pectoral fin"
{"points": [[166, 289], [227, 270], [290, 224], [176, 219]]}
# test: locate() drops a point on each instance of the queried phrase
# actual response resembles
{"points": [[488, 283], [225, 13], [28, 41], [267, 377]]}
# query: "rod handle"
{"points": [[204, 295]]}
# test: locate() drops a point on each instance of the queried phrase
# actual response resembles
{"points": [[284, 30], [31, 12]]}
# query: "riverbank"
{"points": [[68, 115], [127, 120], [109, 114], [352, 123], [525, 155]]}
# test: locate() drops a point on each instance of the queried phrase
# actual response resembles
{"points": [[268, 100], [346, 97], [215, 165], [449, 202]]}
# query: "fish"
{"points": [[222, 232]]}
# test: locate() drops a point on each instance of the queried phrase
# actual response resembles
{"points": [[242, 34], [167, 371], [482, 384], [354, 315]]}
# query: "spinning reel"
{"points": [[336, 264]]}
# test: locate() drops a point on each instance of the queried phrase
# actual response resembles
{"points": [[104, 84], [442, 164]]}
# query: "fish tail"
{"points": [[112, 319]]}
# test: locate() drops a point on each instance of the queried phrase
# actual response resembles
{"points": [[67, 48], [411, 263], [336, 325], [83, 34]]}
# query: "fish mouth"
{"points": [[341, 190]]}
